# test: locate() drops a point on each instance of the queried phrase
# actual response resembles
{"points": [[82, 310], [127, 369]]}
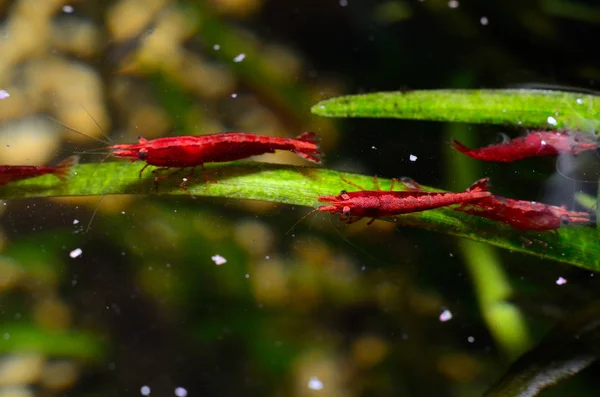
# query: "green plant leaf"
{"points": [[288, 184], [524, 107], [491, 281], [569, 348], [20, 338]]}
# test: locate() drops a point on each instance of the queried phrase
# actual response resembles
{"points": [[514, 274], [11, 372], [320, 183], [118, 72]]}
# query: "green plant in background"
{"points": [[301, 186], [291, 310], [551, 361]]}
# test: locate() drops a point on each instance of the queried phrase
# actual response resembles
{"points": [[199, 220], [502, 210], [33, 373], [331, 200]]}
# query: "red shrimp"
{"points": [[377, 203], [12, 173], [193, 151], [538, 143], [524, 215]]}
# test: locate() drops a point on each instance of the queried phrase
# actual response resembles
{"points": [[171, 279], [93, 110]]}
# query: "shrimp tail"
{"points": [[410, 184], [64, 170], [312, 152], [482, 185], [456, 145]]}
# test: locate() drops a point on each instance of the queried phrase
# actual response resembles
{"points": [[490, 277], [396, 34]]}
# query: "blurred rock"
{"points": [[126, 18], [16, 392], [59, 375], [31, 141], [317, 372], [52, 314], [21, 369], [10, 274], [269, 282], [255, 237], [76, 36], [369, 351], [236, 8], [459, 367]]}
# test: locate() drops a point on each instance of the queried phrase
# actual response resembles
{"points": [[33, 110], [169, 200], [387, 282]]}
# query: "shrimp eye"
{"points": [[343, 192], [142, 154]]}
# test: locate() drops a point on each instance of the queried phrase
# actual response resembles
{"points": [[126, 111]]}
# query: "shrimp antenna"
{"points": [[547, 86], [564, 175], [108, 143], [356, 247], [96, 122], [90, 152], [87, 229], [301, 219]]}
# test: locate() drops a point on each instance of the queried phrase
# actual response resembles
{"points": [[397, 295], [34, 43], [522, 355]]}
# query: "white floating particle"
{"points": [[412, 157], [484, 21], [234, 95], [145, 390], [373, 147], [471, 339], [67, 9], [267, 257], [218, 259], [75, 221], [216, 47], [247, 275], [561, 281], [4, 94], [446, 316], [551, 120], [76, 252], [315, 383], [180, 392], [343, 3], [579, 101], [239, 58], [453, 4], [6, 336]]}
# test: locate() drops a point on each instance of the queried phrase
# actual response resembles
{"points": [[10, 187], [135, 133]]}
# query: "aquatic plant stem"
{"points": [[287, 184], [492, 286]]}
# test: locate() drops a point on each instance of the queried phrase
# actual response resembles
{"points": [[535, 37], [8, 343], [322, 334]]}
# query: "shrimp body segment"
{"points": [[376, 203], [12, 173], [535, 144], [192, 151], [524, 215]]}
